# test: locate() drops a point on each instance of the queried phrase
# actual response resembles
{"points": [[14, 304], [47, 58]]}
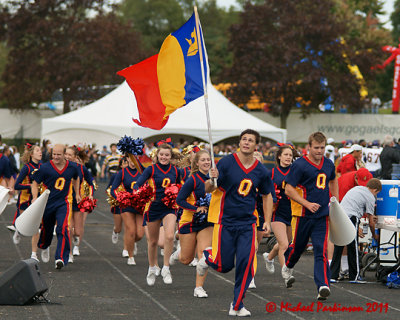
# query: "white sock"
{"points": [[344, 263], [165, 267], [154, 268], [269, 260], [329, 261]]}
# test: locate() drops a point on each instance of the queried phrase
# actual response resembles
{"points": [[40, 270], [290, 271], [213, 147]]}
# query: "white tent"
{"points": [[109, 118]]}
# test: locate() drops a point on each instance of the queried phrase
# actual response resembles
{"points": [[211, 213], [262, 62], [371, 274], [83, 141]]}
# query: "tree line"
{"points": [[277, 50]]}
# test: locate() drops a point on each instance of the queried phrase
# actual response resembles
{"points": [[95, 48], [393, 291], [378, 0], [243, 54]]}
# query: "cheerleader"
{"points": [[71, 155], [116, 210], [160, 175], [32, 158], [132, 218], [282, 215], [86, 190], [195, 233]]}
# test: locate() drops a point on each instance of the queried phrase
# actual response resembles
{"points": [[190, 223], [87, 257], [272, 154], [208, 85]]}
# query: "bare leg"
{"points": [[153, 231], [169, 222], [204, 240]]}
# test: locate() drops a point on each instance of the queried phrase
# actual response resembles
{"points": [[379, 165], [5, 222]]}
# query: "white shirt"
{"points": [[372, 159]]}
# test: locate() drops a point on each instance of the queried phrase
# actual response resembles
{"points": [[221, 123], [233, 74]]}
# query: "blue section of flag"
{"points": [[187, 38]]}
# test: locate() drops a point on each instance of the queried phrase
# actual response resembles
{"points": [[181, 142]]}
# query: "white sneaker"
{"points": [[323, 293], [252, 284], [269, 265], [194, 262], [240, 313], [151, 277], [75, 242], [34, 256], [75, 251], [162, 252], [135, 249], [16, 237], [199, 292], [71, 258], [45, 255], [125, 254], [59, 264], [174, 257], [11, 228], [114, 237], [131, 261], [158, 270], [287, 276], [166, 274], [202, 266]]}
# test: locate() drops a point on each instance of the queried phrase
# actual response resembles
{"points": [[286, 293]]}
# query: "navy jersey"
{"points": [[283, 207], [4, 167], [59, 182], [234, 201], [24, 181], [127, 177], [192, 190], [159, 177], [185, 173], [312, 182]]}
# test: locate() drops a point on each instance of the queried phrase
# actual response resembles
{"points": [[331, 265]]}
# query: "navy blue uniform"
{"points": [[23, 183], [58, 207], [5, 171], [313, 183], [233, 212], [185, 173], [283, 210], [128, 178], [159, 177], [190, 193]]}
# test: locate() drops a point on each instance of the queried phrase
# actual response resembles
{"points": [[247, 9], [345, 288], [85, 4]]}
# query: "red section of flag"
{"points": [[142, 78]]}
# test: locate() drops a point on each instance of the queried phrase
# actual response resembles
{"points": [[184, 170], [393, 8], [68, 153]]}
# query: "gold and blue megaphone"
{"points": [[341, 229], [28, 223]]}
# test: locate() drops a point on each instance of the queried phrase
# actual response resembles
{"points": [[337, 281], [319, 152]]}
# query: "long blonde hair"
{"points": [[27, 156], [195, 167]]}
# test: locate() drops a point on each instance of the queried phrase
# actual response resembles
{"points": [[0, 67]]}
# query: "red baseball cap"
{"points": [[363, 176]]}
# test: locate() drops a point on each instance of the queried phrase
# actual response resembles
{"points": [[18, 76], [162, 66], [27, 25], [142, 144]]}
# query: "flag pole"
{"points": [[200, 48]]}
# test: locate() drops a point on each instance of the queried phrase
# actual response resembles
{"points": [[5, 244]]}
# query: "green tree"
{"points": [[56, 44], [281, 51], [155, 19], [365, 36], [215, 22]]}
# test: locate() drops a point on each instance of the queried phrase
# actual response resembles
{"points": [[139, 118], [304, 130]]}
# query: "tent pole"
{"points": [[199, 42]]}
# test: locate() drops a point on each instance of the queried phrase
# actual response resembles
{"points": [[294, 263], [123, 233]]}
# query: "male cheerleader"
{"points": [[314, 176], [59, 176], [233, 212]]}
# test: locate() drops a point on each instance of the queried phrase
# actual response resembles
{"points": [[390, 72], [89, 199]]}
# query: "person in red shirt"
{"points": [[352, 179], [349, 162]]}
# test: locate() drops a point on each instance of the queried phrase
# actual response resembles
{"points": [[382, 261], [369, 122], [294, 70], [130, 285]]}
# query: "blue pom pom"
{"points": [[129, 145], [204, 201]]}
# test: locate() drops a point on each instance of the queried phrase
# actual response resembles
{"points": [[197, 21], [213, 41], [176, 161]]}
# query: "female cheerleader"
{"points": [[32, 158], [87, 190], [282, 215], [132, 219], [160, 175], [195, 233]]}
